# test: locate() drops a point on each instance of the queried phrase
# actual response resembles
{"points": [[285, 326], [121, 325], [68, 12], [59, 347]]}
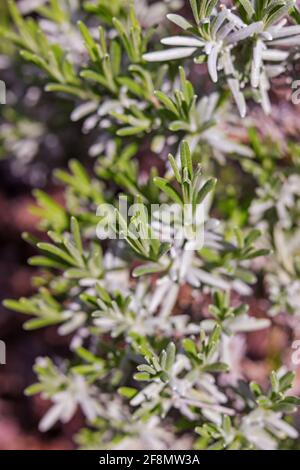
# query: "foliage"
{"points": [[145, 369]]}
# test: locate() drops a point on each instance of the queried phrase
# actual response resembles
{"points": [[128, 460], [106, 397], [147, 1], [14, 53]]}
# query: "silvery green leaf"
{"points": [[248, 7], [246, 32], [212, 63], [284, 32], [171, 353], [241, 287], [83, 110], [263, 88], [179, 21], [224, 32], [195, 8], [278, 424], [274, 55], [166, 101], [149, 268], [246, 323], [221, 17], [233, 83], [179, 125], [169, 301], [210, 279], [50, 418], [274, 70], [182, 41], [256, 63], [235, 19], [169, 54], [225, 145], [293, 41], [275, 14], [78, 319], [260, 438]]}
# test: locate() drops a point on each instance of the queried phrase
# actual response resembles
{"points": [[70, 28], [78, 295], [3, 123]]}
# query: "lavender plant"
{"points": [[146, 370]]}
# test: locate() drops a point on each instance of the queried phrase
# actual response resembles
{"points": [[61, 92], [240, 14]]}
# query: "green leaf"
{"points": [[205, 190], [216, 367], [189, 346], [171, 353], [22, 305], [247, 6], [87, 356], [194, 6], [255, 388], [41, 323], [141, 376], [252, 237], [50, 210], [33, 389], [179, 21], [128, 131], [54, 250], [146, 368], [46, 262], [67, 89], [127, 392], [76, 234], [175, 168], [165, 186], [274, 381], [186, 158], [167, 102], [286, 381], [149, 268], [292, 400]]}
